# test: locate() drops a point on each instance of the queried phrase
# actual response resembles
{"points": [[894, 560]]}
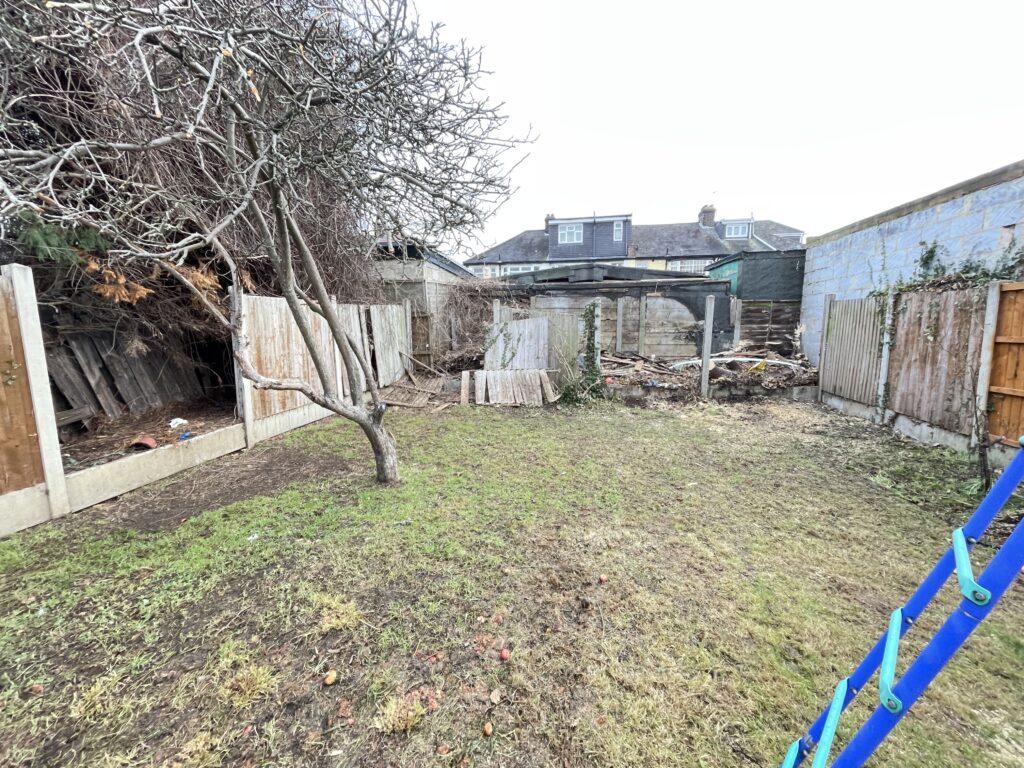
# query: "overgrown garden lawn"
{"points": [[678, 587]]}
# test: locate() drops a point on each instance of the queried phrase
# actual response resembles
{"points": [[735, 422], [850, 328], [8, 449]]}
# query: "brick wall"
{"points": [[975, 220]]}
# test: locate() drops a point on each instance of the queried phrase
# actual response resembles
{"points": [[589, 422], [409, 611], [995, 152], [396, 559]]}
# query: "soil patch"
{"points": [[239, 476]]}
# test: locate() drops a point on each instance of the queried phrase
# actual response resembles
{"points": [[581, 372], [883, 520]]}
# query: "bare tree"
{"points": [[240, 137]]}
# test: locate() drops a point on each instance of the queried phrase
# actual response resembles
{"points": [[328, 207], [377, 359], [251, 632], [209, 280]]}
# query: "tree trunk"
{"points": [[384, 451]]}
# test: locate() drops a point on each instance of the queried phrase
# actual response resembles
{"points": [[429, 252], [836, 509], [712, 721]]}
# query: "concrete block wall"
{"points": [[976, 220]]}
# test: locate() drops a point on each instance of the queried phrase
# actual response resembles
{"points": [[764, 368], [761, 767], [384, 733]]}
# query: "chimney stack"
{"points": [[707, 216], [547, 220]]}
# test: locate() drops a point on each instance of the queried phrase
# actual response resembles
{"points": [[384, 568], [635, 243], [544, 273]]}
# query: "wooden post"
{"points": [[243, 387], [883, 366], [705, 360], [737, 322], [620, 310], [410, 365], [464, 394], [27, 311], [988, 345], [826, 315], [641, 343]]}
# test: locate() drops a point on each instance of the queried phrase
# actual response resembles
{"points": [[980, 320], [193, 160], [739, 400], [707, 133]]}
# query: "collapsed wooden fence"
{"points": [[34, 484]]}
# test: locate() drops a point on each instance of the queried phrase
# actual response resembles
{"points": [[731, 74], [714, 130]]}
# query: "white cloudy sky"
{"points": [[815, 114]]}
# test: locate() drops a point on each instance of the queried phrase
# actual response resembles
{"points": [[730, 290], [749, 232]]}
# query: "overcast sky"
{"points": [[814, 114]]}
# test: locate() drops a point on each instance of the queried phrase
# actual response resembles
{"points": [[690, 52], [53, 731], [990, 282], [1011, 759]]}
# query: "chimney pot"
{"points": [[707, 216]]}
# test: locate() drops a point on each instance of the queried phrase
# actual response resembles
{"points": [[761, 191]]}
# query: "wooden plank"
{"points": [[464, 396], [129, 389], [69, 379], [480, 386], [549, 391], [93, 370], [1007, 391], [1011, 286]]}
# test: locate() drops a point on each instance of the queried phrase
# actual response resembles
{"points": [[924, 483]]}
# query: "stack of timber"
{"points": [[513, 387], [412, 394]]}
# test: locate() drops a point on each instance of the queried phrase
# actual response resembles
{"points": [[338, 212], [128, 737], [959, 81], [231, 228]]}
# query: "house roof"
{"points": [[528, 246], [427, 254], [654, 241], [691, 240]]}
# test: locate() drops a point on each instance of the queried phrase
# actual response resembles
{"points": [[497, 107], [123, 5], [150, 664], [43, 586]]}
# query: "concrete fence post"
{"points": [[39, 387], [826, 313], [737, 322], [641, 336], [883, 365], [243, 387], [988, 345], [705, 360], [620, 310]]}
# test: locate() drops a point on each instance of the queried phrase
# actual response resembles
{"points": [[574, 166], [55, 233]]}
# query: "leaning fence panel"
{"points": [[853, 347]]}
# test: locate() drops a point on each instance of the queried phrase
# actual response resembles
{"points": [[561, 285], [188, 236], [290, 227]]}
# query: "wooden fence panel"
{"points": [[770, 324], [853, 344], [21, 463], [935, 357], [390, 341], [279, 351], [1006, 383], [518, 345]]}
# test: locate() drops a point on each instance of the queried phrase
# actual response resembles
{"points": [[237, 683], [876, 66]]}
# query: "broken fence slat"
{"points": [[549, 391]]}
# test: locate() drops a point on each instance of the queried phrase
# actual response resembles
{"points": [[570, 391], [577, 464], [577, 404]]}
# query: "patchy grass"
{"points": [[752, 554]]}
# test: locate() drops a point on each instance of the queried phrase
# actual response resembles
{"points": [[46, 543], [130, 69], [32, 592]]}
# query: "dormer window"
{"points": [[737, 230], [617, 232], [570, 233]]}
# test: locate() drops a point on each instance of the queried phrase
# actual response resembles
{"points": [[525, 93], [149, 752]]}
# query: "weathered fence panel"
{"points": [[21, 464], [770, 324], [390, 341], [278, 351], [1006, 383], [935, 357], [518, 345], [852, 357]]}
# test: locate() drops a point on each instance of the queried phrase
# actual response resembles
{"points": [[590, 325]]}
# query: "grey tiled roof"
{"points": [[531, 245], [655, 241]]}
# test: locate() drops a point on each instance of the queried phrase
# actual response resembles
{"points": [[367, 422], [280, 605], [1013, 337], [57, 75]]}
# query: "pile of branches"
{"points": [[467, 314], [153, 154]]}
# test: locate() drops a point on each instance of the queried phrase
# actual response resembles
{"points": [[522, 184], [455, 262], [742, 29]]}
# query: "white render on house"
{"points": [[980, 220]]}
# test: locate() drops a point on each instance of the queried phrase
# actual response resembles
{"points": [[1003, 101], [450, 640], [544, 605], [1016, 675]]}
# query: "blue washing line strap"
{"points": [[970, 589], [887, 675]]}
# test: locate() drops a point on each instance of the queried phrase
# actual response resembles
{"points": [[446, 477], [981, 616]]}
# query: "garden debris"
{"points": [[331, 677], [746, 367]]}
